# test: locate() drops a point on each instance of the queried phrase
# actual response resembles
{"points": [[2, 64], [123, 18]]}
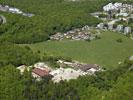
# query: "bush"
{"points": [[119, 40], [98, 37]]}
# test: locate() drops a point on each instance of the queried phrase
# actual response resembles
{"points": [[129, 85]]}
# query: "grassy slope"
{"points": [[105, 51]]}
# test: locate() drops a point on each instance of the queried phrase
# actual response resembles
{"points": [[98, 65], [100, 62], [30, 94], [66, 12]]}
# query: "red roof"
{"points": [[40, 72]]}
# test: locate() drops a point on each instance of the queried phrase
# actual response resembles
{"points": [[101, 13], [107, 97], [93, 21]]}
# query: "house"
{"points": [[39, 73], [109, 7], [4, 8], [86, 27], [122, 14], [127, 30], [100, 26], [120, 28], [112, 6], [110, 26]]}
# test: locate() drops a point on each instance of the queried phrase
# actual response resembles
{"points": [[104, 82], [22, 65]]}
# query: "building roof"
{"points": [[88, 66], [40, 72]]}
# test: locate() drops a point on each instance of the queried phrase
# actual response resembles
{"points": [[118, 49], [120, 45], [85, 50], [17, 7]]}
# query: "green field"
{"points": [[105, 51]]}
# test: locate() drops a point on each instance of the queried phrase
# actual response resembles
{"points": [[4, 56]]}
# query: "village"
{"points": [[6, 8], [113, 17], [83, 33], [66, 71]]}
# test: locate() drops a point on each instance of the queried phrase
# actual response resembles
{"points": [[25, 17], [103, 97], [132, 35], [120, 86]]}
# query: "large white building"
{"points": [[111, 6]]}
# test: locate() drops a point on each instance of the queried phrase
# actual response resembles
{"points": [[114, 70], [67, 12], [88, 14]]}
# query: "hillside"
{"points": [[54, 50], [50, 17], [106, 51]]}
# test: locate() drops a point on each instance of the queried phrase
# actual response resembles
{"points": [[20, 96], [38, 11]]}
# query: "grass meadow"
{"points": [[106, 51]]}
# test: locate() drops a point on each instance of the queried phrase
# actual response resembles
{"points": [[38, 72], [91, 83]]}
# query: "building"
{"points": [[127, 30], [120, 28], [116, 6], [100, 26], [110, 26], [87, 67], [4, 8], [86, 28], [39, 73]]}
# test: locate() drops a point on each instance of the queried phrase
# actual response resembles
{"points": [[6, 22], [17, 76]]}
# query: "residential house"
{"points": [[127, 30], [120, 28], [100, 26], [86, 28], [4, 8], [110, 26]]}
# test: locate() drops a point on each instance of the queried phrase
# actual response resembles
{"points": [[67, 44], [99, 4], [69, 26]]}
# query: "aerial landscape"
{"points": [[66, 49]]}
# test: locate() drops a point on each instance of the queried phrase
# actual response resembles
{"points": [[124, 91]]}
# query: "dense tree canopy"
{"points": [[15, 55]]}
